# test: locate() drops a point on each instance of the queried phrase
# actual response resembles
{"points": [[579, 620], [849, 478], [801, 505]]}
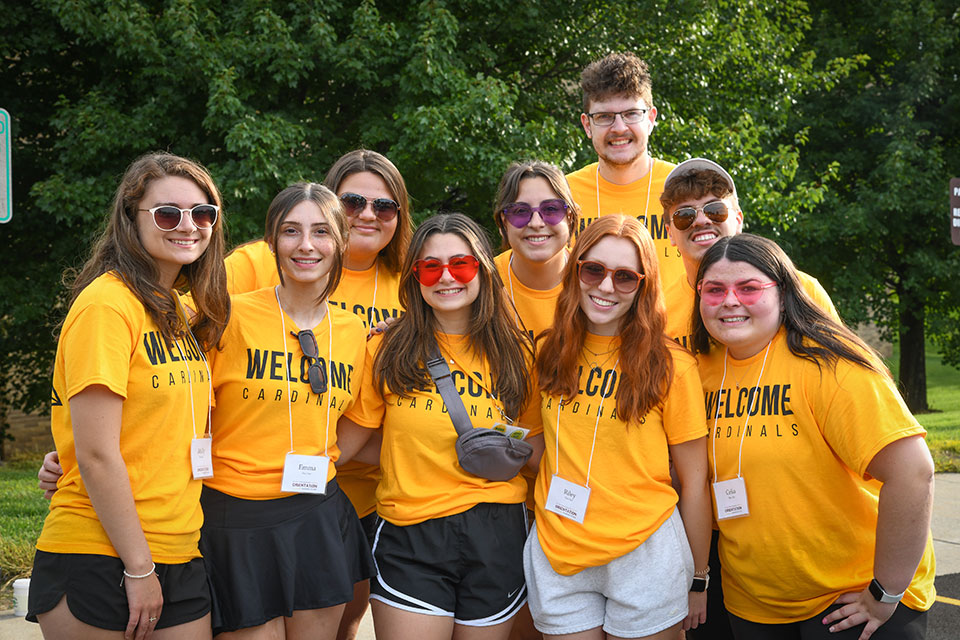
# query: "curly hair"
{"points": [[616, 74]]}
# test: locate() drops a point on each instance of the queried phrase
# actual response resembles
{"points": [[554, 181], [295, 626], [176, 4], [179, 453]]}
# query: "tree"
{"points": [[265, 93], [892, 128]]}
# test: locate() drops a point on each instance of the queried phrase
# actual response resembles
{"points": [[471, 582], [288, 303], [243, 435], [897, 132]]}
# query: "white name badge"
{"points": [[731, 498], [567, 499], [305, 474], [511, 431], [200, 458]]}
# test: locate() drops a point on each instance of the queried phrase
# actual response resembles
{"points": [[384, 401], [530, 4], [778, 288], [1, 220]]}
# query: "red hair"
{"points": [[646, 364]]}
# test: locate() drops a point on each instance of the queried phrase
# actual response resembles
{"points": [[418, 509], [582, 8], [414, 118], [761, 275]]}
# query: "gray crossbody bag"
{"points": [[482, 452]]}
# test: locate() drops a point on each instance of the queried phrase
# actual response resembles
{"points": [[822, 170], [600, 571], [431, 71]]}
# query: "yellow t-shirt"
{"points": [[421, 476], [679, 297], [640, 199], [109, 339], [809, 437], [251, 266], [251, 419], [373, 295], [536, 307], [630, 470]]}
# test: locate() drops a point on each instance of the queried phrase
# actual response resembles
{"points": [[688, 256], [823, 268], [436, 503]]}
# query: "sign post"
{"points": [[6, 184], [955, 210]]}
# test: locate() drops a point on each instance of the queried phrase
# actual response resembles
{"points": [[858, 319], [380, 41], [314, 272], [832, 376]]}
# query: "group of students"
{"points": [[217, 480]]}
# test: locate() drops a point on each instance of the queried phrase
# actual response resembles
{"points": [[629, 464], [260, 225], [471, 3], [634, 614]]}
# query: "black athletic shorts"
{"points": [[468, 565], [904, 624], [91, 584]]}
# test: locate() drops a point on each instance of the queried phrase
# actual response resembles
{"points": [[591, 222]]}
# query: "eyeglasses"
{"points": [[463, 269], [715, 211], [593, 273], [168, 217], [519, 214], [714, 293], [316, 374], [607, 118], [384, 208]]}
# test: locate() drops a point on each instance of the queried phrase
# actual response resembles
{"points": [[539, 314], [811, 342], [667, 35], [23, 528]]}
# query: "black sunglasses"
{"points": [[315, 373]]}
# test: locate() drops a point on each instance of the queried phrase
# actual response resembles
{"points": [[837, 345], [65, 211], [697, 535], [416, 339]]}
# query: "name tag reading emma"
{"points": [[731, 498], [305, 474], [200, 458], [567, 499], [511, 431]]}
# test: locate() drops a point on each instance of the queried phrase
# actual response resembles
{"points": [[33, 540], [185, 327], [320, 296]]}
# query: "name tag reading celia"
{"points": [[731, 498], [305, 474], [200, 458], [511, 431], [567, 499]]}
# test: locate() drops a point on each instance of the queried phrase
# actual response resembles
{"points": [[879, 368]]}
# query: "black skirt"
{"points": [[269, 558]]}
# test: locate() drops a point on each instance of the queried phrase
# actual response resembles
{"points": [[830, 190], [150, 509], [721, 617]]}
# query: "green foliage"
{"points": [[265, 93], [22, 510]]}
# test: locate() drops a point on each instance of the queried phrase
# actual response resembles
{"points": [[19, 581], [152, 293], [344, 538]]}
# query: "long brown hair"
{"points": [[120, 251], [811, 334], [360, 160], [493, 334], [329, 204], [645, 361]]}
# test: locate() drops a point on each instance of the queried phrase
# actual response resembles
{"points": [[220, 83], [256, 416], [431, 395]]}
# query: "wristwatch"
{"points": [[882, 596], [700, 583]]}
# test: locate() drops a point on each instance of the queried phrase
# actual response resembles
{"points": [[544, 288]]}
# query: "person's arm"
{"points": [[352, 439], [690, 463], [538, 444], [49, 474], [96, 414], [903, 523]]}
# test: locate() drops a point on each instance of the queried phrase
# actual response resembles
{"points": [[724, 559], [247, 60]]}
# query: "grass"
{"points": [[22, 510], [942, 422]]}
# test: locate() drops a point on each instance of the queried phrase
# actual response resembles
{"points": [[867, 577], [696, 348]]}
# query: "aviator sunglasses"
{"points": [[167, 217], [624, 280], [715, 211], [384, 208], [714, 293], [316, 374], [463, 269], [519, 214]]}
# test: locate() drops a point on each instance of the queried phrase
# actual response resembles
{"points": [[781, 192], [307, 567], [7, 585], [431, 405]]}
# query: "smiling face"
{"points": [[602, 304], [449, 298], [368, 234], [305, 247], [694, 241], [744, 329], [620, 144], [184, 244], [537, 242]]}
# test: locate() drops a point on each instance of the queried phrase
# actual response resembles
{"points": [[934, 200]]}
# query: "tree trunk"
{"points": [[913, 373]]}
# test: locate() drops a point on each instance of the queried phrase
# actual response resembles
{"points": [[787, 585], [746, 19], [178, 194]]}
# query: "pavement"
{"points": [[943, 621]]}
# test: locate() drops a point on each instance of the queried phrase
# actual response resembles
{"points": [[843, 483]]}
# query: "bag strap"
{"points": [[440, 372]]}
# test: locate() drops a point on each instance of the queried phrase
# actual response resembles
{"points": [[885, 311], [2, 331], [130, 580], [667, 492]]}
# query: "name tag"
{"points": [[200, 458], [511, 431], [731, 498], [305, 474], [567, 499]]}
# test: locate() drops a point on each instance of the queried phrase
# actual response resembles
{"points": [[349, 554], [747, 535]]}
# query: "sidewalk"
{"points": [[946, 542]]}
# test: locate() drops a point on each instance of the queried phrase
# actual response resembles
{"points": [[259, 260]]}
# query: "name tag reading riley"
{"points": [[305, 474], [567, 499], [731, 498], [200, 458]]}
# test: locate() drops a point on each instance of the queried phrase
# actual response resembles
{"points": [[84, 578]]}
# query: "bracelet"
{"points": [[702, 573], [126, 574]]}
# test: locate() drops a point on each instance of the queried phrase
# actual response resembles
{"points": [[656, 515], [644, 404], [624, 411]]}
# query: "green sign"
{"points": [[6, 184]]}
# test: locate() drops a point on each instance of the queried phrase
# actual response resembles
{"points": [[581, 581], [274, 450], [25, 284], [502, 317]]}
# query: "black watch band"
{"points": [[699, 584]]}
